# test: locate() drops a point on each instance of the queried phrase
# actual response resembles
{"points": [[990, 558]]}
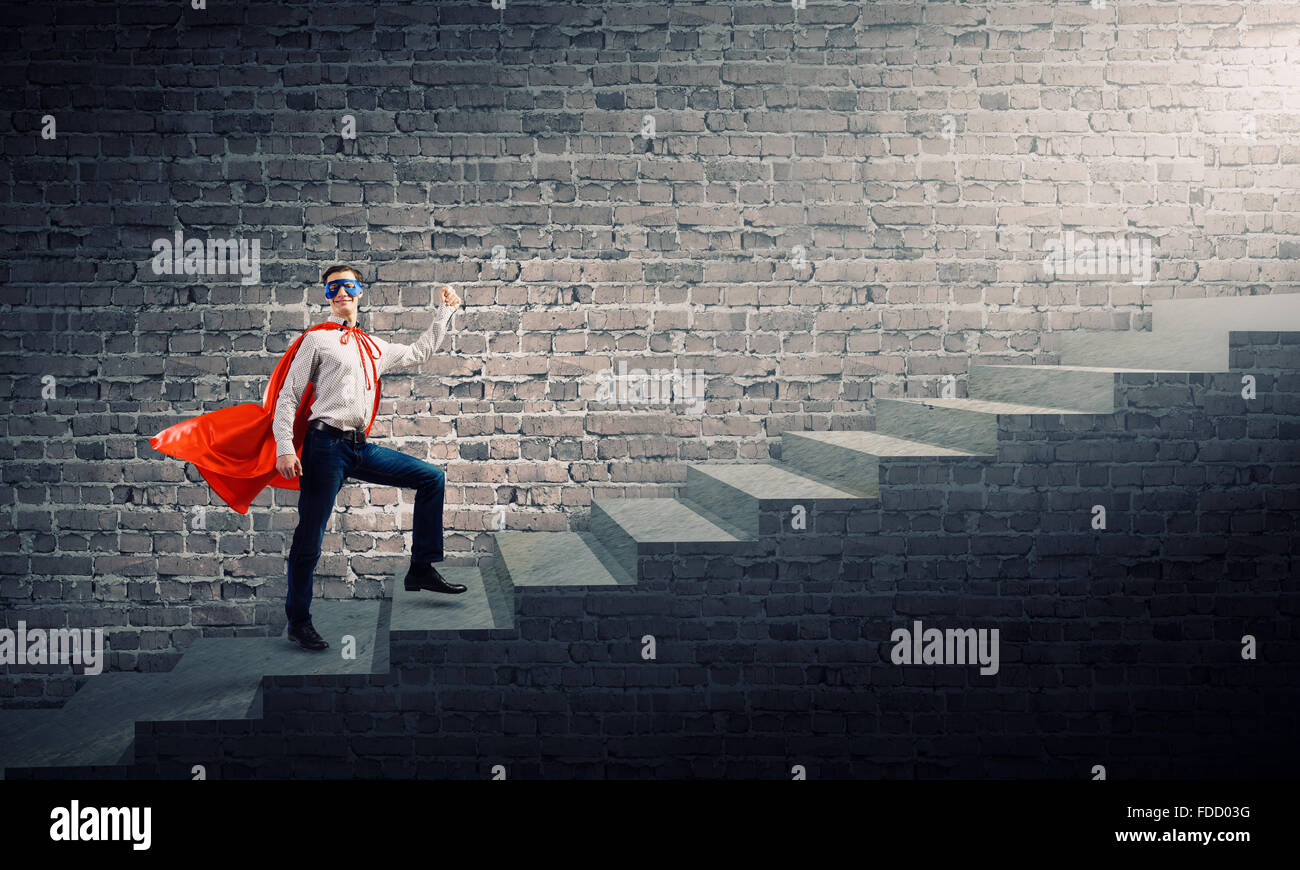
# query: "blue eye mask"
{"points": [[354, 288]]}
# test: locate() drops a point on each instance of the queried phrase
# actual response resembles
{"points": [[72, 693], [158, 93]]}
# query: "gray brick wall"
{"points": [[920, 155]]}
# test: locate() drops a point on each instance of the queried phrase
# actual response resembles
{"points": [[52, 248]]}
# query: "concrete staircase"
{"points": [[741, 509]]}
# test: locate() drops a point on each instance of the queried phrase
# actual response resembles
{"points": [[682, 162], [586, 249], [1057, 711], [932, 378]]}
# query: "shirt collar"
{"points": [[334, 318]]}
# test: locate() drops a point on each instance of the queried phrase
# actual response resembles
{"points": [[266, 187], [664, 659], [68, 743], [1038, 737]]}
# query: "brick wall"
{"points": [[917, 156]]}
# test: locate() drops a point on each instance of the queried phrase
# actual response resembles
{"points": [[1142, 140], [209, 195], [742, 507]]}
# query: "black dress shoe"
{"points": [[425, 576], [307, 637]]}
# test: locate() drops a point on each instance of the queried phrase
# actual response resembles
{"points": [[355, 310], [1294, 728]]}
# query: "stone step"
{"points": [[556, 559], [1083, 388], [850, 458], [259, 656], [435, 611], [217, 678], [97, 724], [1186, 334], [1146, 351], [18, 730], [736, 492], [1273, 312], [962, 424], [631, 527]]}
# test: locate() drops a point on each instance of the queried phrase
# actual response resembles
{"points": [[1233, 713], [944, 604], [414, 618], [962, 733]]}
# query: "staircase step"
{"points": [[97, 724], [1145, 351], [736, 492], [435, 611], [963, 424], [850, 458], [1186, 334], [217, 678], [17, 729], [259, 656], [1083, 388], [555, 559], [631, 527], [1215, 315]]}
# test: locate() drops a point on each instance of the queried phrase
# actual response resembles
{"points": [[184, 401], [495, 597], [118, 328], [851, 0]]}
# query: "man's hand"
{"points": [[449, 296], [288, 465]]}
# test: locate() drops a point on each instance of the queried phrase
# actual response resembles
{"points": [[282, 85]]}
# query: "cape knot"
{"points": [[366, 347]]}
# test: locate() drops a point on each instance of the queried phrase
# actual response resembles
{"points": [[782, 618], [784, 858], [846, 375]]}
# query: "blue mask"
{"points": [[332, 288]]}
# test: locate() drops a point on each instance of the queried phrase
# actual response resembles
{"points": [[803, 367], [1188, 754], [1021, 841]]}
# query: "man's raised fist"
{"points": [[449, 296]]}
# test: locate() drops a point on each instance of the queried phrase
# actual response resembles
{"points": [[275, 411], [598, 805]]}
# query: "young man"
{"points": [[343, 366]]}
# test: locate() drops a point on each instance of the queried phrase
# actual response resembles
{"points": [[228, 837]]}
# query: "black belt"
{"points": [[356, 436]]}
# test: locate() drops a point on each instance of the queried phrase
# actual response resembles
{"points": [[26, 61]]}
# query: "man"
{"points": [[343, 365]]}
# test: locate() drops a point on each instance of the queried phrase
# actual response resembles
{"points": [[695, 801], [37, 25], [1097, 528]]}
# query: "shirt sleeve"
{"points": [[286, 404], [397, 356]]}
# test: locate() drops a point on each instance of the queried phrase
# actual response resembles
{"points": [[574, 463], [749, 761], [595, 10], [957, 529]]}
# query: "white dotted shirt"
{"points": [[342, 397]]}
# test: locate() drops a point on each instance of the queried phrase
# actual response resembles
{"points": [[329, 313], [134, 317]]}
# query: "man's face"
{"points": [[344, 304]]}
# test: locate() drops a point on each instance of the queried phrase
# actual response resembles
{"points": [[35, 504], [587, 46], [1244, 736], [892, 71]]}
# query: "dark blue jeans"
{"points": [[326, 461]]}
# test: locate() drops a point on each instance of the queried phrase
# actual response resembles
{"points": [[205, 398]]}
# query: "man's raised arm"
{"points": [[397, 356]]}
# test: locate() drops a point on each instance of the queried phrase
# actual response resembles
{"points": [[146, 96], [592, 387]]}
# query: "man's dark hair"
{"points": [[342, 268]]}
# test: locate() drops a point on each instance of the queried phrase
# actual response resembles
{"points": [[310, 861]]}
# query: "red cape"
{"points": [[234, 448]]}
